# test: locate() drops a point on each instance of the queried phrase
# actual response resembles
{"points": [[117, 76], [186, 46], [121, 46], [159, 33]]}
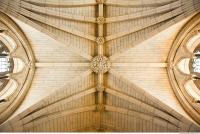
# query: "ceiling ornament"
{"points": [[100, 64], [100, 40], [100, 20]]}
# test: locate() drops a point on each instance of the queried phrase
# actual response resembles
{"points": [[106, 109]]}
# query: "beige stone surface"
{"points": [[133, 95]]}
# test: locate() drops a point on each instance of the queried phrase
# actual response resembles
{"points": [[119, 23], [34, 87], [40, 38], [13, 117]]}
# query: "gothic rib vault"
{"points": [[100, 65]]}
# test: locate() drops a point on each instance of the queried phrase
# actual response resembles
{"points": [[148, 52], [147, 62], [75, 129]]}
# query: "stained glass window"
{"points": [[4, 64], [196, 65]]}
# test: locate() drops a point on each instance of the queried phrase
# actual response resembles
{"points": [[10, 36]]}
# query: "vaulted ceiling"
{"points": [[73, 91]]}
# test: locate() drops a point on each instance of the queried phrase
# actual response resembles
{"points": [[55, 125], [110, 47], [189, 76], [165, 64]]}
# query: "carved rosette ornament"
{"points": [[100, 64], [100, 40], [100, 20]]}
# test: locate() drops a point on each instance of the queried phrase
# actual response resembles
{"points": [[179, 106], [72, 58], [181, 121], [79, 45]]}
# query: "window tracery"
{"points": [[184, 67], [6, 65], [196, 65], [16, 66]]}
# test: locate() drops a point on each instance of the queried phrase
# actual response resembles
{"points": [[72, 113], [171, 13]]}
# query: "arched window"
{"points": [[184, 67], [196, 60], [196, 65], [6, 65]]}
